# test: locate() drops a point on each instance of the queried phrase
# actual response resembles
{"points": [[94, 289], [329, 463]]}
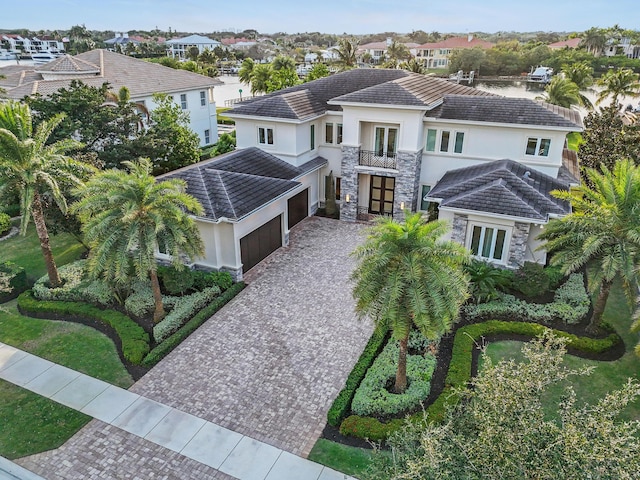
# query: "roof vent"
{"points": [[527, 176]]}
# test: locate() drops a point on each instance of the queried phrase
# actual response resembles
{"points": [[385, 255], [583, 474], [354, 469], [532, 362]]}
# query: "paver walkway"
{"points": [[267, 366], [192, 437]]}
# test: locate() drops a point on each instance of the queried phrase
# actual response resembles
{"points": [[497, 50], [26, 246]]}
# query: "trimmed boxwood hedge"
{"points": [[163, 349], [135, 341], [342, 404], [18, 280], [459, 373]]}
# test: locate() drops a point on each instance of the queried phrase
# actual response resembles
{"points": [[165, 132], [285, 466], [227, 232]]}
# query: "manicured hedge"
{"points": [[342, 404], [202, 316], [459, 374], [135, 341], [18, 280]]}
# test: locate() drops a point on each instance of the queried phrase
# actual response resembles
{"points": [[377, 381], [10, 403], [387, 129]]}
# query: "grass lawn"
{"points": [[343, 458], [30, 423], [607, 376]]}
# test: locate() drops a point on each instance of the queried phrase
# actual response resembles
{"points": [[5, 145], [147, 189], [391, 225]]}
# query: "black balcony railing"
{"points": [[372, 159]]}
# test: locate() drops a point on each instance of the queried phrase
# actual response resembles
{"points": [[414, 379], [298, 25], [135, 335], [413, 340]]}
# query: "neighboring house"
{"points": [[436, 55], [251, 200], [120, 41], [572, 43], [622, 46], [193, 92], [328, 55], [395, 140], [179, 47], [378, 50]]}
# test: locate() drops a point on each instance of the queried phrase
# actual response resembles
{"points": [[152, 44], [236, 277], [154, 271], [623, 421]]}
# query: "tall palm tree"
{"points": [[616, 83], [282, 62], [260, 77], [407, 276], [414, 66], [246, 69], [562, 91], [602, 234], [127, 216], [580, 73], [31, 168], [346, 50], [594, 40]]}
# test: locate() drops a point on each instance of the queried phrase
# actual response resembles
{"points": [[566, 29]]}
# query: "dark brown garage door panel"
{"points": [[257, 245], [298, 207]]}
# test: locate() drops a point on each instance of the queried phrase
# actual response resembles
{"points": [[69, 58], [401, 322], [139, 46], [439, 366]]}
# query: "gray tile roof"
{"points": [[498, 109], [311, 98], [140, 77], [68, 65], [236, 184], [503, 187]]}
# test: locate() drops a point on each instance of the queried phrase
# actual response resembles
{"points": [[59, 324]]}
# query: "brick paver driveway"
{"points": [[268, 365]]}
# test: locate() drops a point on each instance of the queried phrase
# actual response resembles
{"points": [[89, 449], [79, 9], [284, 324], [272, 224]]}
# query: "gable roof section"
{"points": [[69, 65], [413, 90], [457, 42], [503, 187], [239, 183], [499, 109], [193, 40], [318, 93]]}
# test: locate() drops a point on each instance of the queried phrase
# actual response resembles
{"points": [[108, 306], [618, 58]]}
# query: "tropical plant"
{"points": [[503, 430], [414, 66], [319, 70], [346, 51], [127, 216], [621, 82], [602, 234], [406, 275], [246, 69], [563, 92], [398, 51], [594, 40], [485, 280], [260, 76], [580, 73], [283, 63], [32, 168]]}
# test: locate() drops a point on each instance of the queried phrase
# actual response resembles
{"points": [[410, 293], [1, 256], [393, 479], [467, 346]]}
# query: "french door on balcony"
{"points": [[381, 195], [385, 141]]}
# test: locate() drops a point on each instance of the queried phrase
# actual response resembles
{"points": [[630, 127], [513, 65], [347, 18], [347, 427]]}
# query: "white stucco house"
{"points": [[179, 47], [192, 91]]}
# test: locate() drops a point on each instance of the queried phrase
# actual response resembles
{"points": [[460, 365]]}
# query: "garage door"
{"points": [[298, 207], [264, 240]]}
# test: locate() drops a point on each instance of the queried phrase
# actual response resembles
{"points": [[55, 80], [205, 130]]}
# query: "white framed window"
{"points": [[312, 137], [328, 132], [538, 147], [338, 134], [207, 136], [265, 136], [386, 141], [203, 99], [489, 241], [424, 204], [444, 141], [183, 101]]}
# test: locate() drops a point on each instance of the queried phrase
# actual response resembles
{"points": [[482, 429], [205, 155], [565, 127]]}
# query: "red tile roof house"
{"points": [[569, 43], [436, 55]]}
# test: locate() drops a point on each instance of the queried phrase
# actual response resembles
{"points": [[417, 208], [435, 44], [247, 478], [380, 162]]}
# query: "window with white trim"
{"points": [[328, 132], [265, 136], [444, 141], [203, 99], [538, 146], [312, 135], [339, 134], [207, 136], [488, 242], [183, 101]]}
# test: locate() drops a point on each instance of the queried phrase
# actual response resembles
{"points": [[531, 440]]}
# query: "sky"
{"points": [[326, 16]]}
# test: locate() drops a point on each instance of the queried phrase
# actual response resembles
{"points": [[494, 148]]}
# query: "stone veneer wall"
{"points": [[407, 182], [349, 183], [459, 228], [518, 245]]}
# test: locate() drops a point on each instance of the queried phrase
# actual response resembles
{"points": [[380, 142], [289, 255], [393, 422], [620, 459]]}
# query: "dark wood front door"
{"points": [[381, 195], [298, 208], [258, 244]]}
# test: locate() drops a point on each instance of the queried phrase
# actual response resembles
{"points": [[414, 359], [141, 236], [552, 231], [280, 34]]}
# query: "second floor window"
{"points": [[265, 136], [203, 99], [448, 141], [328, 133], [183, 101], [313, 137], [538, 146], [339, 136], [386, 141]]}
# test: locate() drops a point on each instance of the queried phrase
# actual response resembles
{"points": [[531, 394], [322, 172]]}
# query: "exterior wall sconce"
{"points": [[347, 198], [401, 205]]}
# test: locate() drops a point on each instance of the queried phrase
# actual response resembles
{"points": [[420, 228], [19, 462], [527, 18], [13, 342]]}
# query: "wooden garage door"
{"points": [[298, 207], [261, 242]]}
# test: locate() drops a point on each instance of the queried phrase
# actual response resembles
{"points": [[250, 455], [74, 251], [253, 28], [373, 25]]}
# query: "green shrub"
{"points": [[133, 338], [369, 428], [12, 210], [202, 280], [141, 301], [5, 224], [17, 280], [342, 404], [555, 276], [175, 281], [71, 275], [372, 396], [485, 280], [183, 309], [162, 350], [531, 280]]}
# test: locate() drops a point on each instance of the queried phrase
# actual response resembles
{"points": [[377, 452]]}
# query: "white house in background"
{"points": [[192, 91], [622, 46], [437, 54], [378, 50], [179, 47], [396, 140], [328, 55]]}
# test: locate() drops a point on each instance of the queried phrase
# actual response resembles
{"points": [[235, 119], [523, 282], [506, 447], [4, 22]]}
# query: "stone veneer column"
{"points": [[407, 182], [518, 245], [349, 183], [459, 228]]}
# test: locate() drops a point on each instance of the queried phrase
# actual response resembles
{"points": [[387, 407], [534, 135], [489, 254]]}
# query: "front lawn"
{"points": [[343, 458]]}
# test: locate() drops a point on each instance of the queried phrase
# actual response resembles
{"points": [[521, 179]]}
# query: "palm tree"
{"points": [[259, 78], [580, 73], [283, 63], [562, 91], [346, 51], [594, 40], [414, 66], [126, 217], [31, 168], [246, 69], [602, 234], [398, 51], [406, 276], [617, 83]]}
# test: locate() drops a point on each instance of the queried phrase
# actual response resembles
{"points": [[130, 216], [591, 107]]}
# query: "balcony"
{"points": [[372, 159]]}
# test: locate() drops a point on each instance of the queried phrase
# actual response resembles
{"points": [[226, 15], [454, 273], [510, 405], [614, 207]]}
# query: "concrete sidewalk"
{"points": [[222, 449]]}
